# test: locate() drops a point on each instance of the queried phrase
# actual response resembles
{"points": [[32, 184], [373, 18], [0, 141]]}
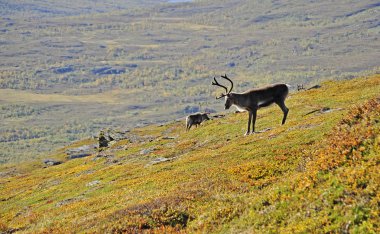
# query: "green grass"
{"points": [[316, 173]]}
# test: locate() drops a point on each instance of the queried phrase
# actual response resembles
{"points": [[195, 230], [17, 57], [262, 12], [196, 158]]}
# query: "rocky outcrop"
{"points": [[109, 136]]}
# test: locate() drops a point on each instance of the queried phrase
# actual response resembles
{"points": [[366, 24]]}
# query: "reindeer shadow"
{"points": [[261, 131], [264, 130]]}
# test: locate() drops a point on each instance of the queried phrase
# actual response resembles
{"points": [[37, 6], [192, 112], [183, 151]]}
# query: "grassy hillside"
{"points": [[150, 60], [317, 173]]}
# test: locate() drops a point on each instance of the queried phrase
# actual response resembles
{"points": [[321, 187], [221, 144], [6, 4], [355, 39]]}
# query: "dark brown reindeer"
{"points": [[254, 99], [195, 119]]}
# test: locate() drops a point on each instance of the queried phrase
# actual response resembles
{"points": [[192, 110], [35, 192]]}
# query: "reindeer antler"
{"points": [[232, 83], [215, 82]]}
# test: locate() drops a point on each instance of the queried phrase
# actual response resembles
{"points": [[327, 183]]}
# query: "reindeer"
{"points": [[254, 99], [195, 119]]}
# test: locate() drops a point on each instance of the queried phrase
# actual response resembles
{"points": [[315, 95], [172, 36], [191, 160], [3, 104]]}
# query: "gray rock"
{"points": [[103, 154], [81, 152], [160, 160], [325, 110], [81, 155], [107, 137], [51, 162], [81, 149], [146, 151], [93, 183], [264, 130]]}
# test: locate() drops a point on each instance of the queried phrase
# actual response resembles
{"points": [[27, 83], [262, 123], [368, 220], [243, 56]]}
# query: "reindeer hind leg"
{"points": [[284, 109], [254, 115]]}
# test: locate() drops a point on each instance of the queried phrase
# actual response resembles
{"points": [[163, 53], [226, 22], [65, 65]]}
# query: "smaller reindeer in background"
{"points": [[195, 119]]}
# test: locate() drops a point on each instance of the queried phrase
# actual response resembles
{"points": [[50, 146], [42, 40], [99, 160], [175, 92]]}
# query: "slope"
{"points": [[316, 173], [156, 59]]}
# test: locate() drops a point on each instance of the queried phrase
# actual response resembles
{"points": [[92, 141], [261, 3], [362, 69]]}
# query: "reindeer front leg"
{"points": [[249, 123]]}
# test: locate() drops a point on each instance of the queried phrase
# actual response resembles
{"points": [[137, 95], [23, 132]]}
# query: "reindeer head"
{"points": [[229, 101], [205, 116], [229, 97]]}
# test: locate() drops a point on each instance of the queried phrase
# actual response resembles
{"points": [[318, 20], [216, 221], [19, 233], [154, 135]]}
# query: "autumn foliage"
{"points": [[318, 173]]}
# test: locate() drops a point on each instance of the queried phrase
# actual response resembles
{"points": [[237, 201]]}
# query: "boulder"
{"points": [[51, 162]]}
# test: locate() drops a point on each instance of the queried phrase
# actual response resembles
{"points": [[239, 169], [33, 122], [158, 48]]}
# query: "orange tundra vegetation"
{"points": [[317, 173]]}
